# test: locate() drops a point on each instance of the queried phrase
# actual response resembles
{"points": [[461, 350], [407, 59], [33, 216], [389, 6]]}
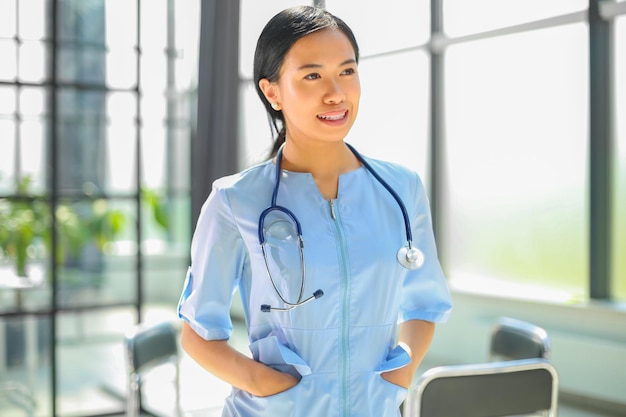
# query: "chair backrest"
{"points": [[150, 346], [513, 339], [485, 390]]}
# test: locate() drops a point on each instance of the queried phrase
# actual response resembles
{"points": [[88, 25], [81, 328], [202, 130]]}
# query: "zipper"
{"points": [[332, 210], [344, 370]]}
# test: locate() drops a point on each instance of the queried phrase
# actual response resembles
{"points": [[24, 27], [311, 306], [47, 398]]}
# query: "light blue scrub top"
{"points": [[340, 343]]}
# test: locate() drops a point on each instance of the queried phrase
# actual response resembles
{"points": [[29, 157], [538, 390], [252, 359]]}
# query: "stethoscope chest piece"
{"points": [[410, 257]]}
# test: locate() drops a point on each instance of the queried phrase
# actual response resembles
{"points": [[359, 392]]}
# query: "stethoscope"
{"points": [[408, 256]]}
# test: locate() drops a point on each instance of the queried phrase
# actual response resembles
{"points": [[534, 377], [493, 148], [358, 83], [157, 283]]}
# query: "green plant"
{"points": [[22, 221], [25, 220], [157, 204]]}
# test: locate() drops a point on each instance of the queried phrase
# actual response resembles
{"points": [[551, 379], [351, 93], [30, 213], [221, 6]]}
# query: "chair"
{"points": [[513, 339], [506, 388], [20, 396], [149, 347]]}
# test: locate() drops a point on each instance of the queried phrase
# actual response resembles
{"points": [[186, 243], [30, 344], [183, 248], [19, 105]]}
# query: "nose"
{"points": [[334, 93]]}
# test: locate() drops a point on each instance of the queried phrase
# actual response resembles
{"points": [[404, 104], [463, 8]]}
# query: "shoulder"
{"points": [[239, 193], [397, 175], [244, 180]]}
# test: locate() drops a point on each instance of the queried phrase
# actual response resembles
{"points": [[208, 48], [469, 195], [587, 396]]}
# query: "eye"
{"points": [[312, 76], [348, 71]]}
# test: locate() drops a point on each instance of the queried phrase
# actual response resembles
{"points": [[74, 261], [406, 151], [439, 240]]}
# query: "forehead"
{"points": [[322, 47]]}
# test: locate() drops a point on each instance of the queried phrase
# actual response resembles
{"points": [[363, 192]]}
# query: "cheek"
{"points": [[355, 97], [294, 92], [355, 90]]}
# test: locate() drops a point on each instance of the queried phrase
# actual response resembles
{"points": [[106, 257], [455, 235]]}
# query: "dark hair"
{"points": [[278, 36]]}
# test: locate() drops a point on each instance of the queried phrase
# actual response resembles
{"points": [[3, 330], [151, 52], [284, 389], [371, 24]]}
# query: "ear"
{"points": [[270, 90]]}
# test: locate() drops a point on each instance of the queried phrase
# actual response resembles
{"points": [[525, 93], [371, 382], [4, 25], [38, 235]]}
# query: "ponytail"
{"points": [[280, 139]]}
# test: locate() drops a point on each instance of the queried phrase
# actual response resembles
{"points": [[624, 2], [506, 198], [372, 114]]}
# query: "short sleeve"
{"points": [[425, 293], [217, 259]]}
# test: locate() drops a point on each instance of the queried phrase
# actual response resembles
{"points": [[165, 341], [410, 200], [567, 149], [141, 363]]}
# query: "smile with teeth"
{"points": [[335, 116]]}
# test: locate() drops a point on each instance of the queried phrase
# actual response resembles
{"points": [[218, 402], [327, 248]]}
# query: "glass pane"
{"points": [[154, 159], [153, 27], [97, 141], [619, 190], [7, 18], [255, 136], [8, 69], [516, 160], [154, 73], [25, 367], [187, 36], [86, 64], [179, 229], [254, 15], [82, 22], [397, 25], [96, 252], [91, 367], [179, 179], [166, 251], [402, 137], [33, 102], [121, 149], [121, 24], [7, 156], [23, 249], [33, 19], [33, 156], [153, 138], [121, 40], [7, 101], [121, 158], [82, 41], [81, 133], [463, 17], [121, 68], [32, 63]]}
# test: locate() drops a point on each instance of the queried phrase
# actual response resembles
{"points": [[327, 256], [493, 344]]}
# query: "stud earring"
{"points": [[275, 106]]}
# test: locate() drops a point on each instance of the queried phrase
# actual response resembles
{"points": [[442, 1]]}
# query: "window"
{"points": [[465, 18], [97, 148], [393, 114], [516, 125]]}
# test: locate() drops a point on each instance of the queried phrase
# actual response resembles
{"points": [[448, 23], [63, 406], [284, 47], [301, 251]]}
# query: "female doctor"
{"points": [[332, 252]]}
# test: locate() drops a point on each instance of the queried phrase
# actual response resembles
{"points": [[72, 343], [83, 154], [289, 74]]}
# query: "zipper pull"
{"points": [[332, 209]]}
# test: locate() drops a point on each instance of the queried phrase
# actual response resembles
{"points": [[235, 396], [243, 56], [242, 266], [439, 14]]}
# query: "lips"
{"points": [[333, 116]]}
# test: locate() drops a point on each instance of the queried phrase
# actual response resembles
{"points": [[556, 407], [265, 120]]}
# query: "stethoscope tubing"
{"points": [[273, 206], [405, 215]]}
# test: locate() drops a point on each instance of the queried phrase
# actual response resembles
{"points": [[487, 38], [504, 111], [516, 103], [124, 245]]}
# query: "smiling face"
{"points": [[318, 90]]}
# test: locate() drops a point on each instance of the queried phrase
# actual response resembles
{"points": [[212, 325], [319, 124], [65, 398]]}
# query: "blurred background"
{"points": [[116, 116]]}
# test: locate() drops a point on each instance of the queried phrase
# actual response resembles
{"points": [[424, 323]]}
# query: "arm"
{"points": [[233, 367], [416, 336]]}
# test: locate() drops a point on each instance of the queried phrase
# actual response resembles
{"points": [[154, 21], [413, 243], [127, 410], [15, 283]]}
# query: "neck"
{"points": [[323, 161]]}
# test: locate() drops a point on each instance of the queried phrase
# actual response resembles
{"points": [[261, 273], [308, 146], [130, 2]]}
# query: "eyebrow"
{"points": [[309, 66]]}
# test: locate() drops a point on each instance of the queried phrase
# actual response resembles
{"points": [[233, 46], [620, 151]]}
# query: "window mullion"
{"points": [[601, 144]]}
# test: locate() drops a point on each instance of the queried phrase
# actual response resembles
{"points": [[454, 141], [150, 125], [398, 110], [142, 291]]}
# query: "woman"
{"points": [[337, 324]]}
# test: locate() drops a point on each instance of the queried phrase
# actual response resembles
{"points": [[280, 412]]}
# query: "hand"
{"points": [[401, 377], [277, 383]]}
